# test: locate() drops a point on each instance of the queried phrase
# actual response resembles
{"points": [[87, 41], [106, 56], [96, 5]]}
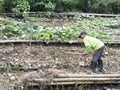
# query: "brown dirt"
{"points": [[49, 57]]}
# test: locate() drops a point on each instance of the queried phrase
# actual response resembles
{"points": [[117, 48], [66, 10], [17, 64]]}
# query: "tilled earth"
{"points": [[16, 60]]}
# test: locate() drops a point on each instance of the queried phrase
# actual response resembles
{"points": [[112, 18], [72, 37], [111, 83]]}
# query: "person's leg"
{"points": [[97, 59], [100, 61], [100, 65], [93, 66], [94, 62]]}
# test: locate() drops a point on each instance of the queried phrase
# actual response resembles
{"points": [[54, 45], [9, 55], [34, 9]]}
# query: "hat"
{"points": [[82, 32]]}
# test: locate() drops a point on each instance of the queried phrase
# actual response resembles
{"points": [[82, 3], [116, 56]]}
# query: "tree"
{"points": [[1, 5], [8, 5]]}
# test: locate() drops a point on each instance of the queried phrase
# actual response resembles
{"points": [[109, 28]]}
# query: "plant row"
{"points": [[97, 27]]}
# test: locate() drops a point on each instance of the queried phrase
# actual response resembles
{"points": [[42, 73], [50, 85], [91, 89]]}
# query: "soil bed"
{"points": [[17, 60]]}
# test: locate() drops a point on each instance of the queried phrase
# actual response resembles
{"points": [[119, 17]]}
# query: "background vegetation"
{"points": [[97, 6], [33, 30]]}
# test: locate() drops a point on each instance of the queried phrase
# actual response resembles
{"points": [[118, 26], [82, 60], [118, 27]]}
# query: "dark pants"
{"points": [[97, 59]]}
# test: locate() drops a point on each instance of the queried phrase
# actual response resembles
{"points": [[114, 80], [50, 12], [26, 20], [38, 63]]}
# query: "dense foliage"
{"points": [[21, 8], [97, 27], [98, 6]]}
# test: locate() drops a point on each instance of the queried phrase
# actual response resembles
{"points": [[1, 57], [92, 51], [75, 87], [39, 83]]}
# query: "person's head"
{"points": [[82, 34]]}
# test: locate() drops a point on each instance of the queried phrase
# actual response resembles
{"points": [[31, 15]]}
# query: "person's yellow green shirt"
{"points": [[92, 43]]}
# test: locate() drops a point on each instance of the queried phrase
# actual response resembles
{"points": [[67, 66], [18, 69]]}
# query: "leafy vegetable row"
{"points": [[96, 27]]}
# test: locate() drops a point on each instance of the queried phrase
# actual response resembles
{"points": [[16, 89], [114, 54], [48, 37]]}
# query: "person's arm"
{"points": [[88, 47], [87, 50]]}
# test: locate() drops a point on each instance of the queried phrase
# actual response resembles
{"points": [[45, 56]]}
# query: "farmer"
{"points": [[92, 43]]}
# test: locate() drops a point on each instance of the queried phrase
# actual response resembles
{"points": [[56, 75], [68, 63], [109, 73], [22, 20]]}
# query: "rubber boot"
{"points": [[93, 66]]}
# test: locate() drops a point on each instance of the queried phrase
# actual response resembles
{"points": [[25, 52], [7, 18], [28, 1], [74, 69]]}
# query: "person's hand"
{"points": [[84, 54], [92, 52]]}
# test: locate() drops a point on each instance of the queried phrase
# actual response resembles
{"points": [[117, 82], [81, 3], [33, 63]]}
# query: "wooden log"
{"points": [[88, 76], [72, 83], [53, 42], [71, 79], [84, 14], [71, 13], [85, 82], [79, 79]]}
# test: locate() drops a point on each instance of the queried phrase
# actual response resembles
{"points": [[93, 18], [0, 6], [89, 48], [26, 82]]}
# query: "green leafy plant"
{"points": [[22, 8], [95, 26], [11, 29]]}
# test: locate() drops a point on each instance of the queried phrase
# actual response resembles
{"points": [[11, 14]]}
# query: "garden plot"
{"points": [[20, 61], [26, 60]]}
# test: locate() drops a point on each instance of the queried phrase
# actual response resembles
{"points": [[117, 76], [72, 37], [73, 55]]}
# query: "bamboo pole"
{"points": [[71, 79], [71, 13], [39, 41], [72, 83], [78, 79], [88, 76], [85, 82]]}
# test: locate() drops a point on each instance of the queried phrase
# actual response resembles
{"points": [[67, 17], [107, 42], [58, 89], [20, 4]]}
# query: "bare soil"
{"points": [[18, 60]]}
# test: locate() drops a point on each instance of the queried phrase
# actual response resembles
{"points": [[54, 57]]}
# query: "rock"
{"points": [[106, 88], [83, 64], [106, 53], [3, 58], [5, 37], [9, 74], [56, 59], [12, 78]]}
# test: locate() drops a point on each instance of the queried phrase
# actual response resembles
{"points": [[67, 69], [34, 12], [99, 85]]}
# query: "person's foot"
{"points": [[102, 70], [93, 72]]}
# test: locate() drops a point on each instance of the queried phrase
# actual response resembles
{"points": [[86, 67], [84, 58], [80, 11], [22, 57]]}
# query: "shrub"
{"points": [[106, 6], [22, 8]]}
